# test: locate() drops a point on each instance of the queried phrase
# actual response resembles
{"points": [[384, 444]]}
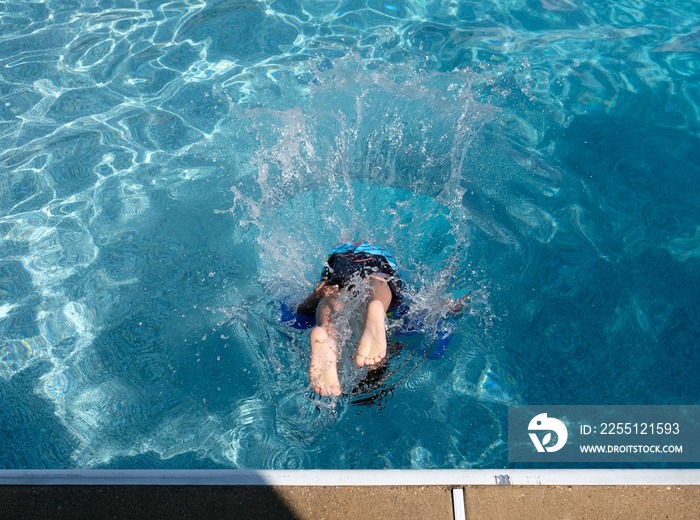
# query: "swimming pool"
{"points": [[173, 171]]}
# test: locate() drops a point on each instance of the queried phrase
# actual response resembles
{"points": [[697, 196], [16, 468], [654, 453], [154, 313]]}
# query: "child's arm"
{"points": [[457, 305], [308, 306]]}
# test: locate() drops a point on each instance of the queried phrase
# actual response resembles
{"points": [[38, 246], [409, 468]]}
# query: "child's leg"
{"points": [[371, 348], [323, 369]]}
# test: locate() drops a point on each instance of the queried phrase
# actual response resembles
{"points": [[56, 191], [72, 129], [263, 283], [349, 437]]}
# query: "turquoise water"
{"points": [[169, 172]]}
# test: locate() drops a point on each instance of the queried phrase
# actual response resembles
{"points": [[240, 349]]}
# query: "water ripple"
{"points": [[541, 151]]}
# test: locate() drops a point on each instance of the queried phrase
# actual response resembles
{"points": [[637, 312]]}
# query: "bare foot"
{"points": [[371, 348], [323, 369]]}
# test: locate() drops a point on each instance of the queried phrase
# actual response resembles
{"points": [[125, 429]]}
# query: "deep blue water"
{"points": [[169, 172]]}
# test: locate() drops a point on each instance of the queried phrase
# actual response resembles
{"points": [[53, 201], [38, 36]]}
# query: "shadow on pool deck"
{"points": [[347, 502], [141, 502]]}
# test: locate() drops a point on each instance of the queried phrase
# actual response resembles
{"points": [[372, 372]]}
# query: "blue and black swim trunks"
{"points": [[349, 258]]}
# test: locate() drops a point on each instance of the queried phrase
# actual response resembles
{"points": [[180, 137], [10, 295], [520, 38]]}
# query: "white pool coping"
{"points": [[556, 477]]}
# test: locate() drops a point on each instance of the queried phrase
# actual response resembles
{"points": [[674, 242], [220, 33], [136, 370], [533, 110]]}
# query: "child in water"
{"points": [[350, 263], [375, 267]]}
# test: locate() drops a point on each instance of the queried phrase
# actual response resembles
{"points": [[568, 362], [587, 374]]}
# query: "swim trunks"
{"points": [[349, 258]]}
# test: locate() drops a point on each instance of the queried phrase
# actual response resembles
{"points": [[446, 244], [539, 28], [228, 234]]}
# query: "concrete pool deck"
{"points": [[44, 495], [349, 502]]}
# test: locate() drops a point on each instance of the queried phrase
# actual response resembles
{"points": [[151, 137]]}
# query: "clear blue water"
{"points": [[170, 171]]}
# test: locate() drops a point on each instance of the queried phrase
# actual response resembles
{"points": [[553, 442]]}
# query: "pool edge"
{"points": [[571, 477]]}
